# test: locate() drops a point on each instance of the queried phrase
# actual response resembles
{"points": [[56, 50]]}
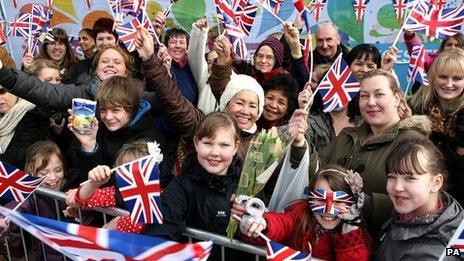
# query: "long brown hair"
{"points": [[60, 36]]}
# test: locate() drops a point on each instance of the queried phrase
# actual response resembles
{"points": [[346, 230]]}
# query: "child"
{"points": [[43, 158], [334, 233], [425, 217], [200, 196], [89, 195]]}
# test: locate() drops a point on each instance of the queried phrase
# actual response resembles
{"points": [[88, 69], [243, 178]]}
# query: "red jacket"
{"points": [[281, 227]]}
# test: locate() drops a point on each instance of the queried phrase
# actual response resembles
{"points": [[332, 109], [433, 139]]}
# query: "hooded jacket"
{"points": [[420, 241]]}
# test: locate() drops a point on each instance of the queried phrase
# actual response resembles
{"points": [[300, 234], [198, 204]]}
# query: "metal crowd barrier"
{"points": [[191, 233]]}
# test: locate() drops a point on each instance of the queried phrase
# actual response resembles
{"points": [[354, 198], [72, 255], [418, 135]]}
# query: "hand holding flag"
{"points": [[16, 184]]}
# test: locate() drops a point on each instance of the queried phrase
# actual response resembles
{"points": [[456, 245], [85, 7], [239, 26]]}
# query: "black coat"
{"points": [[33, 127], [110, 142]]}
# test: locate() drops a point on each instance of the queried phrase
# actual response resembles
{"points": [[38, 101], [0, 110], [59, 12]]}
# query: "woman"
{"points": [[87, 42], [443, 103], [111, 60], [364, 147], [60, 51]]}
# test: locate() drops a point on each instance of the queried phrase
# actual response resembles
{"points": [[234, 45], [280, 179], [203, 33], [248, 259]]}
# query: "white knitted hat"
{"points": [[238, 83]]}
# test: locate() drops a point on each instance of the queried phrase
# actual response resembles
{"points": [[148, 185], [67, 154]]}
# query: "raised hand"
{"points": [[202, 23], [292, 36], [99, 175], [159, 23], [223, 47], [88, 139], [144, 43], [389, 58], [305, 97]]}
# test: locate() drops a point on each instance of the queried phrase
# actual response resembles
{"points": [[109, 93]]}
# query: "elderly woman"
{"points": [[364, 147]]}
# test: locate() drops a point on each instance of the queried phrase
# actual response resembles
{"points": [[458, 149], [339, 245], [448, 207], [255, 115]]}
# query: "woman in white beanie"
{"points": [[243, 98]]}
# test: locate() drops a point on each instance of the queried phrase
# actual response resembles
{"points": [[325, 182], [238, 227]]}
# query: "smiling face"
{"points": [[361, 66], [86, 41], [111, 63], [449, 87], [54, 171], [327, 221], [243, 107], [264, 59], [378, 103], [413, 194], [177, 47], [105, 39], [114, 118], [215, 153], [327, 39], [56, 51], [275, 105]]}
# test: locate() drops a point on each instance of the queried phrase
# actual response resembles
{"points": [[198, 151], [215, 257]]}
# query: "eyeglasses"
{"points": [[260, 57]]}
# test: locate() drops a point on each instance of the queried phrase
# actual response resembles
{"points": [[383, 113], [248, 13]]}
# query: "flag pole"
{"points": [[278, 18], [403, 25]]}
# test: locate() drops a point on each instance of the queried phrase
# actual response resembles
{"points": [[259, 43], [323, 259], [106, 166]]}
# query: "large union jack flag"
{"points": [[400, 8], [21, 25], [279, 252], [318, 6], [339, 86], [359, 9], [435, 23], [127, 31], [91, 243], [416, 70], [323, 201], [138, 182], [16, 184]]}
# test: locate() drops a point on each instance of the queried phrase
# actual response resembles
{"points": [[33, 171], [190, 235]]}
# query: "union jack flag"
{"points": [[41, 17], [138, 182], [279, 252], [323, 201], [435, 23], [318, 6], [339, 86], [416, 68], [91, 243], [21, 25], [272, 5], [122, 8], [16, 184], [400, 8], [228, 17], [300, 5], [247, 13], [127, 31], [359, 8], [438, 4]]}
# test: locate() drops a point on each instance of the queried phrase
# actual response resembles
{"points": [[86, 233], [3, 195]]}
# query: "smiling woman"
{"points": [[112, 60]]}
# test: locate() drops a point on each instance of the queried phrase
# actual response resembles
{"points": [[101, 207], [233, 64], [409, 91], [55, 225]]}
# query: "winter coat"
{"points": [[420, 241], [110, 142], [33, 127], [49, 96], [455, 166], [348, 150], [319, 59], [206, 101], [200, 200], [283, 228]]}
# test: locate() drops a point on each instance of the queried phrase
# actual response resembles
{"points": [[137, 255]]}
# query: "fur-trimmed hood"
{"points": [[420, 123]]}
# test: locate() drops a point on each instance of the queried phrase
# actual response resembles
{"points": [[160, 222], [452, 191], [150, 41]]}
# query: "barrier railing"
{"points": [[193, 233]]}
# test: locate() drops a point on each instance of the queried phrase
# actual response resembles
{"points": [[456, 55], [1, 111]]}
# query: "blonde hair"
{"points": [[447, 62], [132, 151]]}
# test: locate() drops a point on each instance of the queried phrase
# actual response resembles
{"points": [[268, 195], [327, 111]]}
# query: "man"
{"points": [[328, 45]]}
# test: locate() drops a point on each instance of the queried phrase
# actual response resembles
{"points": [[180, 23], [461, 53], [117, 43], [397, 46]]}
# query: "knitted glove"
{"points": [[248, 220], [460, 128], [352, 218]]}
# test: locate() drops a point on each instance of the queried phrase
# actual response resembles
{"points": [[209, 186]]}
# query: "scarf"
{"points": [[442, 122], [10, 120]]}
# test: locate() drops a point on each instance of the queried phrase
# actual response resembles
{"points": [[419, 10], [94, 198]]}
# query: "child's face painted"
{"points": [[328, 205], [215, 154]]}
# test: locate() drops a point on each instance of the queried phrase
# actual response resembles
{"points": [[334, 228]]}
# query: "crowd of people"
{"points": [[383, 174]]}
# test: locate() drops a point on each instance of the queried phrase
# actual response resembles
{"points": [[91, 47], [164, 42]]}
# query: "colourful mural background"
{"points": [[378, 27]]}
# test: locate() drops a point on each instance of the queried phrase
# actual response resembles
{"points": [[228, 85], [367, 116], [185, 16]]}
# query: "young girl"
{"points": [[331, 225], [89, 195], [43, 158], [425, 216]]}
